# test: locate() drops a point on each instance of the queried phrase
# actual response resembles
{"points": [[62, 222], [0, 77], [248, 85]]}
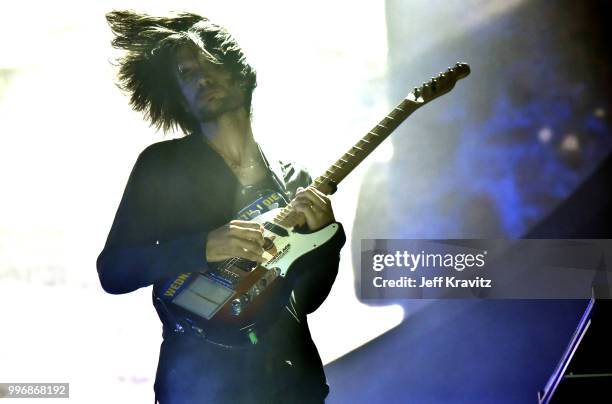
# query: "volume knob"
{"points": [[236, 307]]}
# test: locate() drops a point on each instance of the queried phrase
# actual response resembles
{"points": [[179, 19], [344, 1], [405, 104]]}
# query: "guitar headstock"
{"points": [[439, 85]]}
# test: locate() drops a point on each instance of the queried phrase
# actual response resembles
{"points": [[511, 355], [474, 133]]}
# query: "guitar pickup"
{"points": [[245, 265], [276, 229], [224, 277]]}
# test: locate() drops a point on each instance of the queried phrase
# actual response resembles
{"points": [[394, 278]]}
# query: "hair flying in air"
{"points": [[146, 69]]}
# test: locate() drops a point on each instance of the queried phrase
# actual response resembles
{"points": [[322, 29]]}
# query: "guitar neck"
{"points": [[329, 180]]}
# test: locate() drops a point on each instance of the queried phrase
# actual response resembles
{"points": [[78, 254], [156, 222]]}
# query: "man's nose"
{"points": [[204, 81]]}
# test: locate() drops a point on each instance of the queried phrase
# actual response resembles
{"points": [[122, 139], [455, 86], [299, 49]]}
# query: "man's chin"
{"points": [[214, 114]]}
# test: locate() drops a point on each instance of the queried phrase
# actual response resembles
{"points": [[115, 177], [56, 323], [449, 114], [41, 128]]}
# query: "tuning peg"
{"points": [[416, 92], [462, 69]]}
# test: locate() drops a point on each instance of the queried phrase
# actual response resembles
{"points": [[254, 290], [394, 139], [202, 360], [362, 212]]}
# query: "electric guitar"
{"points": [[233, 302]]}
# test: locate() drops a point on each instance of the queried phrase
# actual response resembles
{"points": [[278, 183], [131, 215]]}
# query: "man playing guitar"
{"points": [[177, 213]]}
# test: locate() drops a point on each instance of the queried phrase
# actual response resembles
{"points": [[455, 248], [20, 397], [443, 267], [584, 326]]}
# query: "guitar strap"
{"points": [[278, 175]]}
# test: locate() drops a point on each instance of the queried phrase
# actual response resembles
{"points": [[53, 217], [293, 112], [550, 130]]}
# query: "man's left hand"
{"points": [[315, 207]]}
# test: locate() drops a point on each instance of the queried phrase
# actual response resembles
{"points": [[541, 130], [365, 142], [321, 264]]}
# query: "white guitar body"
{"points": [[224, 303]]}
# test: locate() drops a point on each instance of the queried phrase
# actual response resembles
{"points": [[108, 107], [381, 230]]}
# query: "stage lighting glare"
{"points": [[545, 134], [570, 143]]}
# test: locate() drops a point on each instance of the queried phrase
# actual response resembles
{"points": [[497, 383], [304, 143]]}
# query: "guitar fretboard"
{"points": [[329, 180]]}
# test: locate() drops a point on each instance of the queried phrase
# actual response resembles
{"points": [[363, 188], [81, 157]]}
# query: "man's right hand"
{"points": [[238, 238]]}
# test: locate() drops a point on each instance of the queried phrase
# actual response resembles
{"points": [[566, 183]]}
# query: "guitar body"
{"points": [[230, 302]]}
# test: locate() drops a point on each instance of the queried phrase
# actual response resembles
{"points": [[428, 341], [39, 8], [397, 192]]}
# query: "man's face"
{"points": [[208, 89]]}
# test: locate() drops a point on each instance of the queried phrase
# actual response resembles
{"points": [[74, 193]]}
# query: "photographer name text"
{"points": [[435, 282]]}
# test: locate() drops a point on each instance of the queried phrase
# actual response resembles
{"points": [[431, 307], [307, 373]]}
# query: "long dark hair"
{"points": [[146, 70]]}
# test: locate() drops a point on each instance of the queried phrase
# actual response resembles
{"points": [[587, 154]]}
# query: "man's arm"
{"points": [[319, 273], [321, 267], [135, 254]]}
